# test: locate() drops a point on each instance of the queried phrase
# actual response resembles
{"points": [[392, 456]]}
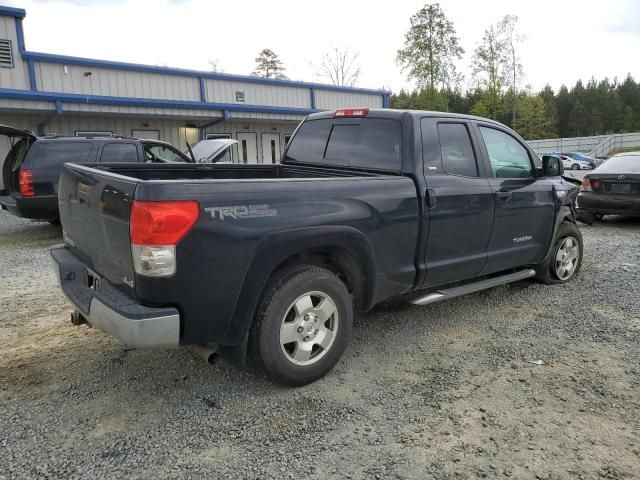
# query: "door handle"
{"points": [[504, 196], [431, 198]]}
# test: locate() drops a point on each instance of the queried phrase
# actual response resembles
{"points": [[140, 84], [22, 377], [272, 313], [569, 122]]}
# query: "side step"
{"points": [[473, 287]]}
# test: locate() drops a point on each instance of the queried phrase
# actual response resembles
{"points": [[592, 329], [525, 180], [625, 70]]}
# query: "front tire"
{"points": [[575, 166], [566, 256], [302, 326]]}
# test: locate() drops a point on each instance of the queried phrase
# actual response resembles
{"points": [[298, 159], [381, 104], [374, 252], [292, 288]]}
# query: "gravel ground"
{"points": [[442, 391]]}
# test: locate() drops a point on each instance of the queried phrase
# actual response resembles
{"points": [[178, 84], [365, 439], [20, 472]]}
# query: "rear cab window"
{"points": [[45, 154], [367, 143], [456, 150]]}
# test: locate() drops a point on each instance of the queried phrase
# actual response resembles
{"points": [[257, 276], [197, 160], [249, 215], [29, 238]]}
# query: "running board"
{"points": [[473, 287]]}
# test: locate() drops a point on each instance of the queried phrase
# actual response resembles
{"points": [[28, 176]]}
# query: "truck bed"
{"points": [[157, 171], [250, 218]]}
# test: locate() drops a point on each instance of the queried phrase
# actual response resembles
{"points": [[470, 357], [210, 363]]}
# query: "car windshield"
{"points": [[621, 164]]}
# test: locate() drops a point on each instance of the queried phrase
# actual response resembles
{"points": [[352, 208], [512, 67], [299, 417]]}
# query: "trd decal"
{"points": [[239, 212]]}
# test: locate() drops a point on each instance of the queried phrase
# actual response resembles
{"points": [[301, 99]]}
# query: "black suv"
{"points": [[32, 166]]}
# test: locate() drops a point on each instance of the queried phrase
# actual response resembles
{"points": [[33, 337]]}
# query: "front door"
{"points": [[270, 147], [524, 203], [460, 202], [247, 148]]}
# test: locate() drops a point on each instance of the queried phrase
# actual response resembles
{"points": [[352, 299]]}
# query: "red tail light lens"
{"points": [[25, 180], [162, 223], [586, 185], [351, 112], [595, 184]]}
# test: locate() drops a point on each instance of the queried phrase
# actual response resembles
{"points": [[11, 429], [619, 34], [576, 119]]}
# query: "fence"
{"points": [[595, 146]]}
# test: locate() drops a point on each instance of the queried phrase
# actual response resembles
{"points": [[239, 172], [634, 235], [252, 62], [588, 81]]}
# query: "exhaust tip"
{"points": [[208, 354]]}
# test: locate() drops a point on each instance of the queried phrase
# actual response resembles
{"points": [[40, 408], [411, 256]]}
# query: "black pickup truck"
{"points": [[268, 262]]}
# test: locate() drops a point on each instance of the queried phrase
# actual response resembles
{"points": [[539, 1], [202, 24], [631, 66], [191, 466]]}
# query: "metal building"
{"points": [[74, 96]]}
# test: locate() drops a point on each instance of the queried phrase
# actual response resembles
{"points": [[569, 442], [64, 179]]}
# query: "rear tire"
{"points": [[575, 166], [566, 256], [302, 326]]}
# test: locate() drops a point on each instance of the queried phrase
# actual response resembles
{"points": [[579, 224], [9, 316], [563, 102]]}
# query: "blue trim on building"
{"points": [[136, 67], [59, 108], [33, 84], [146, 102], [20, 35], [385, 100], [203, 90], [13, 12], [312, 94]]}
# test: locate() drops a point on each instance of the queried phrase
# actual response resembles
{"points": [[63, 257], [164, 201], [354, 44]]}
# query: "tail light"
{"points": [[155, 229], [351, 112], [25, 180], [589, 184]]}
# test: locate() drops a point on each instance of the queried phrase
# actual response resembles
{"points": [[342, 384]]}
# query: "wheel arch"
{"points": [[344, 250]]}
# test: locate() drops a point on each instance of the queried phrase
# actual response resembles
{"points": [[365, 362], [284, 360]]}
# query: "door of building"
{"points": [[247, 147], [270, 148]]}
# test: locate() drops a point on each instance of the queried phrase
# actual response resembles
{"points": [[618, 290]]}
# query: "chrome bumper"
{"points": [[112, 311]]}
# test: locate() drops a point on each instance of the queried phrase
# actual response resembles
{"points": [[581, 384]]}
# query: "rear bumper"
{"points": [[609, 204], [43, 207], [113, 311]]}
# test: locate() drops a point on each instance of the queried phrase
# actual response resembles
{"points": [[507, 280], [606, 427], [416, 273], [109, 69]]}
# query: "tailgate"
{"points": [[94, 212]]}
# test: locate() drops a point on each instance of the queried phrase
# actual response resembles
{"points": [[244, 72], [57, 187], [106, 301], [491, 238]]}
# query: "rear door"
{"points": [[94, 211], [14, 145], [524, 204], [460, 202]]}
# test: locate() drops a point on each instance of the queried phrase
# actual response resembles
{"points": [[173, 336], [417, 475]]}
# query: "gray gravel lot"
{"points": [[442, 391]]}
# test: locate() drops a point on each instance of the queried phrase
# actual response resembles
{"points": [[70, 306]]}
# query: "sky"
{"points": [[565, 40]]}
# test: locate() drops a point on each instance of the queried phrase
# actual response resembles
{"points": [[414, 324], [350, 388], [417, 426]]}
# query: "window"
{"points": [[93, 133], [45, 153], [372, 143], [367, 143], [214, 136], [509, 159], [309, 142], [456, 150], [119, 152], [6, 54], [621, 164], [286, 139], [161, 154], [146, 134]]}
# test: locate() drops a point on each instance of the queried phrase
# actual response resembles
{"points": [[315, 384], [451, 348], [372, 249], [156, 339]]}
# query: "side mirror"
{"points": [[552, 167]]}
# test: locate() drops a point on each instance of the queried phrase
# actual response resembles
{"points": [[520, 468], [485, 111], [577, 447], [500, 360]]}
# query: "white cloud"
{"points": [[566, 40]]}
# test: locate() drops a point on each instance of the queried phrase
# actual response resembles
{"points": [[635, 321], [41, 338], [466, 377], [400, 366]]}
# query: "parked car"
{"points": [[31, 168], [613, 188], [582, 158], [268, 262], [219, 150]]}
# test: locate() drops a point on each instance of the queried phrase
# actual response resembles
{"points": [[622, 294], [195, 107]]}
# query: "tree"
{"points": [[340, 67], [431, 48], [628, 119], [487, 65], [269, 65], [511, 41], [578, 119]]}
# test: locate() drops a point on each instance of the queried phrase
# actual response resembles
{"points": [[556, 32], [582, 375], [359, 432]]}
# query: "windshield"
{"points": [[622, 164]]}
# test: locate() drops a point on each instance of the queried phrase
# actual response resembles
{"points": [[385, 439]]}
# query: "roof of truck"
{"points": [[396, 113]]}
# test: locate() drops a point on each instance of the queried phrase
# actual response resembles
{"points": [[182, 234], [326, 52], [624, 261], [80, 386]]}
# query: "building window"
{"points": [[214, 136], [286, 139], [239, 96], [146, 134], [6, 54], [93, 133]]}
